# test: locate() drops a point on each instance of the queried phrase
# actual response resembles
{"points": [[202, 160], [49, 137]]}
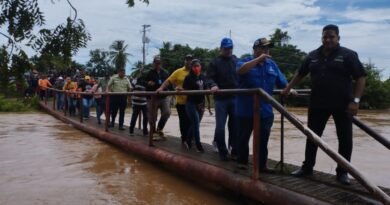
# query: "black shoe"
{"points": [[302, 172], [111, 125], [224, 158], [199, 148], [242, 166], [121, 128], [343, 179]]}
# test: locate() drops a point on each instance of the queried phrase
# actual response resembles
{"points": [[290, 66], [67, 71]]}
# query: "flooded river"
{"points": [[43, 161]]}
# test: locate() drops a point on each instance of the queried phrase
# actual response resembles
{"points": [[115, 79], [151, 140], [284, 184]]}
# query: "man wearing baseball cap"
{"points": [[257, 71], [221, 74]]}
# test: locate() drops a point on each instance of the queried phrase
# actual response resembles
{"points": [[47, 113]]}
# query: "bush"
{"points": [[18, 105]]}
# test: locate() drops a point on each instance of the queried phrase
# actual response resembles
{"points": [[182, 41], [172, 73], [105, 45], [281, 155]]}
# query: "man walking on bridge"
{"points": [[331, 69], [118, 83]]}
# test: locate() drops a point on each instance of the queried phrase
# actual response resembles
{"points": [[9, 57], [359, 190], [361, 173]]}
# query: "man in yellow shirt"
{"points": [[177, 79]]}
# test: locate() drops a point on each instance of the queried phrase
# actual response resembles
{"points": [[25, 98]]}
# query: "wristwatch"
{"points": [[356, 100]]}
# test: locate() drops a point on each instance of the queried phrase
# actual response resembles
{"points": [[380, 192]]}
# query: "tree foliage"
{"points": [[99, 63], [172, 56], [118, 54], [20, 17], [64, 41], [130, 3]]}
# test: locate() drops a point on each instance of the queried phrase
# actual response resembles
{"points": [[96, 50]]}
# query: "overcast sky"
{"points": [[364, 24]]}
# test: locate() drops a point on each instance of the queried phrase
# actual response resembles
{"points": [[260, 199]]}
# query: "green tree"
{"points": [[172, 56], [118, 54], [99, 63], [376, 93], [130, 3]]}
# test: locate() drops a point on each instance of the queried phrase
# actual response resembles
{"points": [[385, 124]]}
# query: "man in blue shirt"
{"points": [[257, 71]]}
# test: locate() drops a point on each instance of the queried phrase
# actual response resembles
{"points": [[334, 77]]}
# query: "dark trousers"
{"points": [[225, 109], [137, 109], [317, 119], [118, 102], [245, 127], [184, 122], [195, 114]]}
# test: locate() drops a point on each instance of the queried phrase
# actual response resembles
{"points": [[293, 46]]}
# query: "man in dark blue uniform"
{"points": [[332, 69]]}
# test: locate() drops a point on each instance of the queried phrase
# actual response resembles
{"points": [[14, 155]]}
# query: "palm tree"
{"points": [[118, 54]]}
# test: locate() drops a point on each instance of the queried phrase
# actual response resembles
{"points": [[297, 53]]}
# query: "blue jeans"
{"points": [[87, 102], [223, 110], [72, 103], [245, 125], [100, 107], [60, 100], [194, 115]]}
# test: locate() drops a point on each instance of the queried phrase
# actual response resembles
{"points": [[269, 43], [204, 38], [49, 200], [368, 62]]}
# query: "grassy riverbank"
{"points": [[18, 104]]}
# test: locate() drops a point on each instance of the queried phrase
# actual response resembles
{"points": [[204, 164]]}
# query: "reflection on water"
{"points": [[43, 161]]}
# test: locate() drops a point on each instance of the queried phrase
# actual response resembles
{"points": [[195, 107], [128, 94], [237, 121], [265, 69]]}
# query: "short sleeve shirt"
{"points": [[331, 77], [177, 78], [117, 84]]}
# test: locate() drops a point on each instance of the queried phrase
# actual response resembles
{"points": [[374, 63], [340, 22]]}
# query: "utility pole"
{"points": [[144, 41], [230, 33]]}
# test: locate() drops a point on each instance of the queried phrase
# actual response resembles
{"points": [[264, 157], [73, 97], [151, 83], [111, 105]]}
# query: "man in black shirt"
{"points": [[222, 74], [154, 79], [332, 69]]}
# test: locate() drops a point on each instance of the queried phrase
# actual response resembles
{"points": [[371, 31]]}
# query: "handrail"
{"points": [[381, 139], [328, 150], [372, 188]]}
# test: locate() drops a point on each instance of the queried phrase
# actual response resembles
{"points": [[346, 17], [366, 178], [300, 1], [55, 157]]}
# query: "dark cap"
{"points": [[226, 43], [189, 57], [156, 58], [262, 42]]}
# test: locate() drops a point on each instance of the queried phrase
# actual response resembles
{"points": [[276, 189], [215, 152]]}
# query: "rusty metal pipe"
{"points": [[254, 189]]}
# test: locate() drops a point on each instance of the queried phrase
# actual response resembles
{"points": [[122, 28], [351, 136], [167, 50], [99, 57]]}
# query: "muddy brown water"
{"points": [[43, 161]]}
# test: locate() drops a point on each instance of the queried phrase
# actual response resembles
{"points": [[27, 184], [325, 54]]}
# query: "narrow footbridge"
{"points": [[267, 188]]}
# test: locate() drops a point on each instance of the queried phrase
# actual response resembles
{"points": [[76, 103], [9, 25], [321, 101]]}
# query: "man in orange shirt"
{"points": [[43, 84]]}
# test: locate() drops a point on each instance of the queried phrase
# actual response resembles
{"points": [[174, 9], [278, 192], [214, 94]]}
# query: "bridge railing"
{"points": [[258, 94]]}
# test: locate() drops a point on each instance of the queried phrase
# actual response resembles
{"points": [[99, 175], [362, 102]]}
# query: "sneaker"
{"points": [[131, 132], [156, 138], [112, 125], [161, 134], [215, 146], [121, 128]]}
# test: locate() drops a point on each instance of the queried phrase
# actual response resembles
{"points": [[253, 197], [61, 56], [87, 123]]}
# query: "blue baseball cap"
{"points": [[226, 43]]}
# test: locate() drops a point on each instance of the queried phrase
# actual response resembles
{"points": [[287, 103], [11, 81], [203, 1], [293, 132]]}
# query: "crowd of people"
{"points": [[332, 68]]}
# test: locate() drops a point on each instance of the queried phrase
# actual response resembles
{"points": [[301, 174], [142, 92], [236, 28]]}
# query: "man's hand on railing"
{"points": [[288, 91], [214, 88], [178, 88], [159, 89]]}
